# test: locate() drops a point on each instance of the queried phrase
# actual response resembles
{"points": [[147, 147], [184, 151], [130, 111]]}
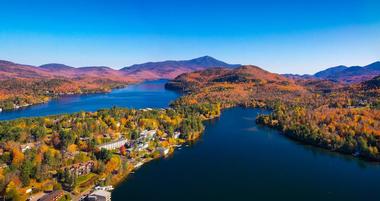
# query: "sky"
{"points": [[282, 36]]}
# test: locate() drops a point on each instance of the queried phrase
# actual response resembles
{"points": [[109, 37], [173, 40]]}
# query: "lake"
{"points": [[235, 159], [148, 94]]}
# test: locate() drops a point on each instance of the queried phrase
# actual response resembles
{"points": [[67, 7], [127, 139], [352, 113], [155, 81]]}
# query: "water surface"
{"points": [[148, 94], [238, 160]]}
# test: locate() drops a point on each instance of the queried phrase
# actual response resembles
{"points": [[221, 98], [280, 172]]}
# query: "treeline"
{"points": [[351, 131], [16, 93]]}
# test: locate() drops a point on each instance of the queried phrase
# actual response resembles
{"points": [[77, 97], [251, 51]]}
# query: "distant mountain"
{"points": [[351, 74], [10, 70], [134, 73], [56, 66], [171, 69], [330, 71]]}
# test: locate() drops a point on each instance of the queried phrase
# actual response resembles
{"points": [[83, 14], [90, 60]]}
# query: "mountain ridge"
{"points": [[351, 74], [168, 69]]}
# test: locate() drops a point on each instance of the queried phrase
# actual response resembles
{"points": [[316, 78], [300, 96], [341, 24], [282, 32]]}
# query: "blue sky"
{"points": [[284, 36]]}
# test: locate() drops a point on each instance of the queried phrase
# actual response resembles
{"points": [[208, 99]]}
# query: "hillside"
{"points": [[247, 73], [246, 85]]}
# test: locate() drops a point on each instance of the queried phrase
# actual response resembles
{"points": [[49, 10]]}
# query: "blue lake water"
{"points": [[238, 160], [148, 94], [235, 159]]}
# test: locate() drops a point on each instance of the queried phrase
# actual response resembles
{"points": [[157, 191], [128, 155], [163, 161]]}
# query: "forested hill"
{"points": [[339, 117]]}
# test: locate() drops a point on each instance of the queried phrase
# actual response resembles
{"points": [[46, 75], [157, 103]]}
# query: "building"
{"points": [[163, 151], [81, 168], [26, 147], [53, 196], [148, 134], [99, 195], [176, 135], [142, 146], [104, 188], [113, 145]]}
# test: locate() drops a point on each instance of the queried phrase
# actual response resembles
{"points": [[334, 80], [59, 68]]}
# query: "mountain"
{"points": [[242, 74], [353, 74], [330, 71], [171, 69], [138, 72], [55, 67], [10, 70]]}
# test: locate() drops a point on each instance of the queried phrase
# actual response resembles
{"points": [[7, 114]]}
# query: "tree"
{"points": [[103, 155], [25, 172], [11, 192], [38, 132], [123, 150], [17, 157]]}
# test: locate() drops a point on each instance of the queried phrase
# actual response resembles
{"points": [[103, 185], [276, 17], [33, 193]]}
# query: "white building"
{"points": [[26, 147], [113, 145], [176, 134], [148, 134], [99, 195], [104, 188]]}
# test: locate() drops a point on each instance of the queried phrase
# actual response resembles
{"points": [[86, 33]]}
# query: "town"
{"points": [[81, 156]]}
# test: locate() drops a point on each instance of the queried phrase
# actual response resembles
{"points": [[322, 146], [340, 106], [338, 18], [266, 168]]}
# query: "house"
{"points": [[113, 145], [148, 134], [142, 146], [99, 195], [25, 147], [53, 196], [29, 190], [81, 168], [163, 151], [104, 188], [176, 135], [147, 109]]}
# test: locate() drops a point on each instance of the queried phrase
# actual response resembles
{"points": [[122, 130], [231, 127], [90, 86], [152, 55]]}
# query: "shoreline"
{"points": [[58, 96]]}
